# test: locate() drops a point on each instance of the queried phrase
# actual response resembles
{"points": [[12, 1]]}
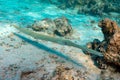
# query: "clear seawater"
{"points": [[25, 12]]}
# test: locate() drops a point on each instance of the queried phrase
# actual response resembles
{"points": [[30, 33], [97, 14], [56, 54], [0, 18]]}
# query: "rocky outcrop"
{"points": [[90, 6], [58, 26], [110, 46], [45, 25], [112, 54], [62, 27], [109, 28], [111, 33]]}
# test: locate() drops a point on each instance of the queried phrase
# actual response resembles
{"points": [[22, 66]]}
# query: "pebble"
{"points": [[7, 50]]}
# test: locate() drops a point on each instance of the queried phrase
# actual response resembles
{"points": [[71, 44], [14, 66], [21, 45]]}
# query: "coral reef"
{"points": [[90, 6], [59, 26], [111, 33], [108, 28], [110, 46], [112, 54]]}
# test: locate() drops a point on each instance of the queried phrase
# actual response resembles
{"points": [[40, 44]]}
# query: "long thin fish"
{"points": [[57, 40]]}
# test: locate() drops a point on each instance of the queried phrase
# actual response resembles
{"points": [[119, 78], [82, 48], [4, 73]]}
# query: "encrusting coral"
{"points": [[94, 7], [111, 33], [110, 46], [109, 28]]}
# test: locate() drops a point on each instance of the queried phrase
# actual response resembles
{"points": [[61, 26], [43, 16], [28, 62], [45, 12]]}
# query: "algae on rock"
{"points": [[59, 26]]}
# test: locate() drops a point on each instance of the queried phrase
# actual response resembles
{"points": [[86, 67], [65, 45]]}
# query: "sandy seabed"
{"points": [[30, 59], [19, 56]]}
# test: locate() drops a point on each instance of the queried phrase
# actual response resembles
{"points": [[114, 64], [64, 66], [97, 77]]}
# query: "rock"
{"points": [[59, 26], [108, 28], [63, 28], [110, 46], [112, 54], [94, 7], [111, 33], [89, 45], [61, 73], [94, 45], [45, 25]]}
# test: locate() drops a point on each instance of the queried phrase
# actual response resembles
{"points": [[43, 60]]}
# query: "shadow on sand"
{"points": [[50, 50]]}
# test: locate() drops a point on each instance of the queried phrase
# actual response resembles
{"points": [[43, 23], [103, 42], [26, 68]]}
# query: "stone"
{"points": [[61, 73], [93, 7], [46, 25], [110, 46], [96, 43], [108, 27], [111, 33], [112, 54], [63, 27], [59, 26]]}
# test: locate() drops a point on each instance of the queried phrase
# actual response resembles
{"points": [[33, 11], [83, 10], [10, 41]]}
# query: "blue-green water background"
{"points": [[25, 12]]}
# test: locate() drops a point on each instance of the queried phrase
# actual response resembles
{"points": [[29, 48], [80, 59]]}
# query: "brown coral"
{"points": [[111, 33], [108, 28], [94, 7], [112, 54]]}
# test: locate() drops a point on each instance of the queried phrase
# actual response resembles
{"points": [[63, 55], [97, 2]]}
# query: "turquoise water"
{"points": [[25, 12]]}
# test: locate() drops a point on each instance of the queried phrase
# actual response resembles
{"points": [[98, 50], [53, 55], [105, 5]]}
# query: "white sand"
{"points": [[17, 56]]}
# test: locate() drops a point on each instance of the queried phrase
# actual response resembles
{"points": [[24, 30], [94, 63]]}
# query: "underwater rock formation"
{"points": [[90, 6], [108, 28], [45, 25], [112, 54], [63, 28], [58, 26], [110, 46]]}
